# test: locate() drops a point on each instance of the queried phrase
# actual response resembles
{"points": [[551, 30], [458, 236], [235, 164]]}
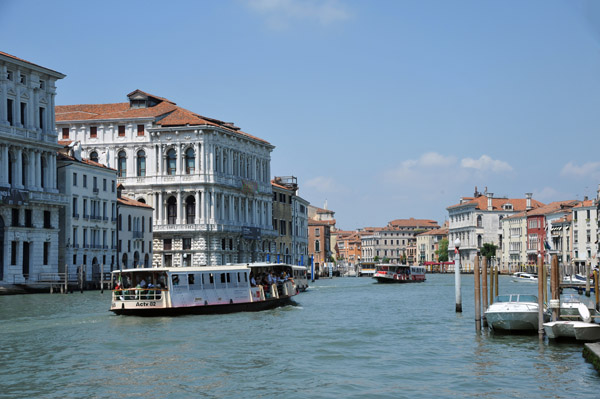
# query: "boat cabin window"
{"points": [[220, 280], [229, 277], [527, 298], [502, 298], [190, 279]]}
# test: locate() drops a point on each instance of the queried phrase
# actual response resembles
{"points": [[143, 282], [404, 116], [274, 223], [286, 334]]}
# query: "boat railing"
{"points": [[136, 294]]}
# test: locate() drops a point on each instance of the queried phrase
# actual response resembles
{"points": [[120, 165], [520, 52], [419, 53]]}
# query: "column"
{"points": [[212, 204], [222, 215], [38, 170], [18, 182], [197, 149], [179, 155], [160, 206], [159, 157], [4, 164], [179, 219], [197, 217]]}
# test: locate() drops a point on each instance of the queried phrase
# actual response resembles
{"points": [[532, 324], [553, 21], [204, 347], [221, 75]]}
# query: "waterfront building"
{"points": [[207, 180], [319, 242], [585, 233], [348, 247], [562, 236], [134, 236], [477, 220], [88, 224], [397, 242], [428, 244], [30, 200], [290, 219], [514, 237]]}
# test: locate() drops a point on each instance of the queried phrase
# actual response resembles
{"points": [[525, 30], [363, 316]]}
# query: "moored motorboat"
{"points": [[391, 273], [525, 277], [197, 290], [514, 312], [578, 326]]}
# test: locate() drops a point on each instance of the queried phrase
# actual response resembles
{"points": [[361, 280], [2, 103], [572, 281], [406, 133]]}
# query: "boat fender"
{"points": [[584, 312]]}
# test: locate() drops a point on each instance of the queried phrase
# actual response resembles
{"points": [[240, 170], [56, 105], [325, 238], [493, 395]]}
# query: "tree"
{"points": [[386, 260], [376, 259], [442, 251], [488, 250]]}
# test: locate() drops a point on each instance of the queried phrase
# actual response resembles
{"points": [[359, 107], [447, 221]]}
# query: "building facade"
{"points": [[290, 219], [397, 242], [585, 233], [208, 181], [477, 220], [134, 236], [428, 244], [88, 224], [30, 200]]}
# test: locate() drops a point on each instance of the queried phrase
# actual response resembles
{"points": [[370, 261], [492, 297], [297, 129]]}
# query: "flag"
{"points": [[546, 245]]}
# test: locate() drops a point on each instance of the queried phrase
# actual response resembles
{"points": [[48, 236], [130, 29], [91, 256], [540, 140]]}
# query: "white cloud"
{"points": [[281, 13], [323, 184], [588, 170], [486, 163], [429, 160]]}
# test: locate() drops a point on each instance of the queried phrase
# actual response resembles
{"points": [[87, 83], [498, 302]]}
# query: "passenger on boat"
{"points": [[175, 279], [252, 280]]}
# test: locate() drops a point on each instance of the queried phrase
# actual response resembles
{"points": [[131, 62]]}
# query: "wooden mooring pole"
{"points": [[496, 285], [587, 278], [491, 284], [457, 276], [540, 297], [477, 294], [484, 290], [555, 286]]}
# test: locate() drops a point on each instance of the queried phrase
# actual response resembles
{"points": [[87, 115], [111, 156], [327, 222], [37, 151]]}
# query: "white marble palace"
{"points": [[29, 198], [208, 182]]}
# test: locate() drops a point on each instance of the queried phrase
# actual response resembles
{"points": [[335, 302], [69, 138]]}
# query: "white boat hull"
{"points": [[512, 321], [579, 330]]}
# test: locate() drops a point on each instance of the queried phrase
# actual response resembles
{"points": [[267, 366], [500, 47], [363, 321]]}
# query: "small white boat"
{"points": [[578, 330], [525, 277], [390, 273], [572, 308], [515, 312]]}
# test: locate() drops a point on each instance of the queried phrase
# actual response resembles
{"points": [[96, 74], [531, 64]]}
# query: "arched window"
{"points": [[479, 221], [317, 246], [171, 162], [122, 164], [190, 210], [190, 161], [94, 156], [479, 241], [171, 210], [124, 260], [141, 163], [128, 222]]}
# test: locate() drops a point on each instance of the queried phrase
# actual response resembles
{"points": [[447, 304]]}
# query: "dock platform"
{"points": [[591, 353]]}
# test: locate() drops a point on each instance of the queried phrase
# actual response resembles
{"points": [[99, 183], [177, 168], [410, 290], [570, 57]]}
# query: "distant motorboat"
{"points": [[525, 277], [515, 312], [391, 273]]}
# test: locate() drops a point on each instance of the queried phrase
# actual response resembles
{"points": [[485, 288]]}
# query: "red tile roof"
{"points": [[436, 232], [131, 202], [412, 222], [552, 207], [166, 113], [65, 157], [481, 202]]}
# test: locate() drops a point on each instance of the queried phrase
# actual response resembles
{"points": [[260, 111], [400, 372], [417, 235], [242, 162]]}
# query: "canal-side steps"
{"points": [[591, 353]]}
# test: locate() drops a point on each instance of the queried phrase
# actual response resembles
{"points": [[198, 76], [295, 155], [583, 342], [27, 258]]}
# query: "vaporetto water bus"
{"points": [[200, 290], [390, 273]]}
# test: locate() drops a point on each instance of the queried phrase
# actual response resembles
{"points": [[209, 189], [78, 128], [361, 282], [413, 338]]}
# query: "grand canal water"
{"points": [[348, 337]]}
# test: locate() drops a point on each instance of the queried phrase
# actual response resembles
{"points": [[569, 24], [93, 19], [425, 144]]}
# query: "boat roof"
{"points": [[218, 268]]}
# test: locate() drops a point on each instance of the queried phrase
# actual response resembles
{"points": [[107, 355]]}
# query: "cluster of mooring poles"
{"points": [[481, 289]]}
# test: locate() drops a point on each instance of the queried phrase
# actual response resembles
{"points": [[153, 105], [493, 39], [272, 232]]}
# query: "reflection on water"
{"points": [[348, 337]]}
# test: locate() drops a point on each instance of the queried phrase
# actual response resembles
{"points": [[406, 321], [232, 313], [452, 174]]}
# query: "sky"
{"points": [[383, 110]]}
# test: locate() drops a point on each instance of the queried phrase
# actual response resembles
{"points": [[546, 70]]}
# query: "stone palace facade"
{"points": [[208, 181]]}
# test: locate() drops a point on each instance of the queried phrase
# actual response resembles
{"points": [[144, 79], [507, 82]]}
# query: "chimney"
{"points": [[528, 196], [489, 197], [119, 190]]}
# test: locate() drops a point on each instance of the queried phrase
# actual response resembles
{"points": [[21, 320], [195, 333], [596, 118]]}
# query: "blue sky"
{"points": [[384, 109]]}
